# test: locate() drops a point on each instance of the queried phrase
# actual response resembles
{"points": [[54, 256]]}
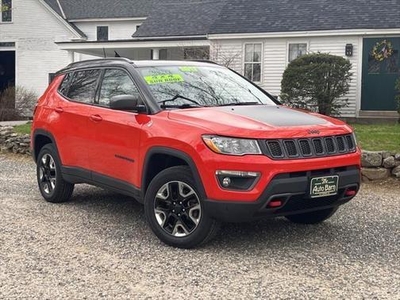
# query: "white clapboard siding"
{"points": [[229, 53], [34, 30], [117, 30], [275, 60], [336, 46]]}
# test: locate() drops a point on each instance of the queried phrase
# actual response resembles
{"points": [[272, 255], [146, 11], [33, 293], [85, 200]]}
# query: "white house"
{"points": [[257, 38]]}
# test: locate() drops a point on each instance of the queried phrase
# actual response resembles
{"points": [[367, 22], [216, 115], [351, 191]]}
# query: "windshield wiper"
{"points": [[178, 96], [240, 104]]}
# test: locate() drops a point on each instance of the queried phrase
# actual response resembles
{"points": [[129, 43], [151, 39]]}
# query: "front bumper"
{"points": [[292, 190]]}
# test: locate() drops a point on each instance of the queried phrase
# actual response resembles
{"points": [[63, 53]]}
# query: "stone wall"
{"points": [[13, 142], [377, 165]]}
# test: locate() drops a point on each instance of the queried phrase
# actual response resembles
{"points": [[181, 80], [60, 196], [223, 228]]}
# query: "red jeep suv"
{"points": [[195, 142]]}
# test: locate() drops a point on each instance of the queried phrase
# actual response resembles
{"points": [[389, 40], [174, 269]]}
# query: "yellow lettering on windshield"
{"points": [[188, 69], [165, 78]]}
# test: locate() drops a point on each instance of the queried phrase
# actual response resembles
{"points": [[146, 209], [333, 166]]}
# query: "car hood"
{"points": [[260, 121]]}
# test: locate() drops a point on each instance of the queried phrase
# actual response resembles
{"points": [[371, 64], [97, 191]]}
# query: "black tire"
{"points": [[174, 209], [48, 172], [313, 217]]}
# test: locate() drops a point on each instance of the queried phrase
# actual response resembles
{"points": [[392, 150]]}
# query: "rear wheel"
{"points": [[51, 184], [313, 217], [174, 209]]}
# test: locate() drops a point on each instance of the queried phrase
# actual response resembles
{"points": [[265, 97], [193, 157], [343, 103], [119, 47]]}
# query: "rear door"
{"points": [[78, 91], [115, 146]]}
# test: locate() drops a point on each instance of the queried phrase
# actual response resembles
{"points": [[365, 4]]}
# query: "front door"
{"points": [[114, 151], [381, 65]]}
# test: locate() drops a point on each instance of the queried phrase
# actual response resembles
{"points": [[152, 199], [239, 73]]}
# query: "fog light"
{"points": [[226, 181], [237, 180]]}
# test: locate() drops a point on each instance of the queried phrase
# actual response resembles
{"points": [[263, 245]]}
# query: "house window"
{"points": [[102, 33], [296, 50], [196, 53], [6, 9], [252, 61]]}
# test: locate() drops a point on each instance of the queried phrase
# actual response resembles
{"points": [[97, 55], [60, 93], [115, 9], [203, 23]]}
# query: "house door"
{"points": [[7, 69], [380, 69]]}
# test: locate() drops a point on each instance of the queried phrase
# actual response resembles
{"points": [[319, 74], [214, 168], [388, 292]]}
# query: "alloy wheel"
{"points": [[47, 174], [177, 208]]}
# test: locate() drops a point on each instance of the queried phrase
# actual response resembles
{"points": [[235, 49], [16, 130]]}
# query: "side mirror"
{"points": [[126, 102]]}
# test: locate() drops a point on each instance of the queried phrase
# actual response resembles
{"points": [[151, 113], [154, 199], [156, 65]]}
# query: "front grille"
{"points": [[312, 147], [330, 145], [291, 148], [305, 147], [275, 148], [340, 141], [319, 149]]}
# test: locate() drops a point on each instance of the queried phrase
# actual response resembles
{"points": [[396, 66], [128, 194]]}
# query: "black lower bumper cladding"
{"points": [[290, 192]]}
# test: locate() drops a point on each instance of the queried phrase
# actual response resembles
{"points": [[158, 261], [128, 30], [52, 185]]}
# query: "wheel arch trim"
{"points": [[174, 153], [45, 133]]}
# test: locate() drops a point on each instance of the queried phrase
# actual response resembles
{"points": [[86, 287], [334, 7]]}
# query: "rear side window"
{"points": [[63, 89], [116, 82], [83, 86]]}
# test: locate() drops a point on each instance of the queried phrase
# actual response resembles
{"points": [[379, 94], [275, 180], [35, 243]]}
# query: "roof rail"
{"points": [[205, 61], [100, 59]]}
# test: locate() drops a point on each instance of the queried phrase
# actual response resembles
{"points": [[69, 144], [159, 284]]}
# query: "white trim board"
{"points": [[363, 32]]}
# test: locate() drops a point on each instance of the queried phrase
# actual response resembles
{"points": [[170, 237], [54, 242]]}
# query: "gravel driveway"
{"points": [[99, 246]]}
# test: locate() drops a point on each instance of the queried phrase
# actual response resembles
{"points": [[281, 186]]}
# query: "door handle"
{"points": [[96, 118], [59, 109]]}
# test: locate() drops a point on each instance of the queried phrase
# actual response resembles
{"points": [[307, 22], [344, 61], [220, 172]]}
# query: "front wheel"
{"points": [[313, 217], [174, 209]]}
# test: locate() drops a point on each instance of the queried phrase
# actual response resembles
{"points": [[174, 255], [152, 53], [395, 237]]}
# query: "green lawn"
{"points": [[369, 137], [25, 129], [377, 137]]}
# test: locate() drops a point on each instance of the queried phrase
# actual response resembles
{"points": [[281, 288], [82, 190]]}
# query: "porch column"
{"points": [[71, 56], [156, 53]]}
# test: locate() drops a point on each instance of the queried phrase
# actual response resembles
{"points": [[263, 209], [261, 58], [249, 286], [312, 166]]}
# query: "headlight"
{"points": [[355, 138], [232, 146]]}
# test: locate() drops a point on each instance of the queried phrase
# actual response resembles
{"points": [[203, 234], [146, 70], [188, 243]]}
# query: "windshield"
{"points": [[193, 86]]}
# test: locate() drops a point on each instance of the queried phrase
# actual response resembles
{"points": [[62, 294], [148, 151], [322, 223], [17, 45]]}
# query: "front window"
{"points": [[116, 82], [6, 11], [252, 61], [197, 86], [296, 50]]}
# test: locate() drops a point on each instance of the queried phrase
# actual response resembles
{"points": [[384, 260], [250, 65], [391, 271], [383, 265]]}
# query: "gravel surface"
{"points": [[99, 246]]}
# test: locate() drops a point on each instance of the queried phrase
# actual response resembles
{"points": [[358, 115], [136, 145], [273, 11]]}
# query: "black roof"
{"points": [[259, 16], [180, 19], [106, 9], [99, 9], [201, 17], [54, 6]]}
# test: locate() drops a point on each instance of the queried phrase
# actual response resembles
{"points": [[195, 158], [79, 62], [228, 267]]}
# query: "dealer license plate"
{"points": [[324, 186]]}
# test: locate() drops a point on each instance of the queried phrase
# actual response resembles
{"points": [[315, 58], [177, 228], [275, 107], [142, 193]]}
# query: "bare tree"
{"points": [[214, 52], [225, 58]]}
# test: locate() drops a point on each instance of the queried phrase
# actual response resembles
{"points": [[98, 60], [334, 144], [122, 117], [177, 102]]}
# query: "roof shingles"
{"points": [[180, 19], [201, 17], [262, 16]]}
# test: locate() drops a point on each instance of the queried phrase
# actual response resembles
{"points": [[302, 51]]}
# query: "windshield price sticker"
{"points": [[166, 78], [188, 69], [324, 186]]}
